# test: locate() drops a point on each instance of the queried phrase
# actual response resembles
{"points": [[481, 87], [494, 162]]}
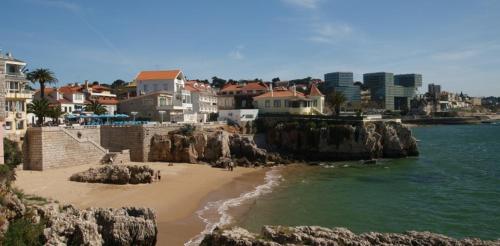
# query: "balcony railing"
{"points": [[12, 93]]}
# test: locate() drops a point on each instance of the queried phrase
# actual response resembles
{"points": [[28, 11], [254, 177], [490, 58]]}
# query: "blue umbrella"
{"points": [[121, 116]]}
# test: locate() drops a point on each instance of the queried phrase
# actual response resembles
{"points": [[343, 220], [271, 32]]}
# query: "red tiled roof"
{"points": [[247, 87], [107, 101], [70, 89], [314, 91], [158, 75], [196, 86]]}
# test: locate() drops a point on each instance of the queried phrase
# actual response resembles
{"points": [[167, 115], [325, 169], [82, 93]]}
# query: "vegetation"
{"points": [[23, 232], [40, 108], [96, 108], [187, 130], [55, 113], [334, 101], [42, 76], [12, 153], [218, 82]]}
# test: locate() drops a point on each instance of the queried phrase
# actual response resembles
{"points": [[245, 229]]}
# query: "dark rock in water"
{"points": [[340, 142], [115, 174], [314, 235]]}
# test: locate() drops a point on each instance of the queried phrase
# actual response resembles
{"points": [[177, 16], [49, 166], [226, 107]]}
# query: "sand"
{"points": [[183, 190]]}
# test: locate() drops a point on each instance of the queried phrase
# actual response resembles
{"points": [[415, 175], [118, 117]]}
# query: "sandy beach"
{"points": [[183, 190]]}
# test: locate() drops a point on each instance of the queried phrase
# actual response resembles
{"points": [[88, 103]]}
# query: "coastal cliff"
{"points": [[314, 235], [336, 142]]}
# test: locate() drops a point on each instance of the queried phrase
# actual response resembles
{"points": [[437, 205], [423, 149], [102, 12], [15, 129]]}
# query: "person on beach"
{"points": [[231, 166], [159, 175]]}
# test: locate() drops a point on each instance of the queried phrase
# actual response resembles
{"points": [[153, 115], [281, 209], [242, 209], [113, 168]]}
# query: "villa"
{"points": [[240, 96], [204, 99], [15, 96], [283, 100]]}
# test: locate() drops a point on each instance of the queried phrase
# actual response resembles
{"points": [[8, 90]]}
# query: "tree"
{"points": [[277, 79], [40, 108], [96, 108], [334, 100], [55, 112], [43, 76], [117, 83], [218, 82]]}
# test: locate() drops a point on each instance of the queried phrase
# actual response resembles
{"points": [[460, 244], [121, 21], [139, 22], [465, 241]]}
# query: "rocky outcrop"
{"points": [[216, 147], [66, 225], [323, 142], [314, 235], [115, 174]]}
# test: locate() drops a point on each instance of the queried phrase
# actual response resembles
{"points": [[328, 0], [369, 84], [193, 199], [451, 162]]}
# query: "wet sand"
{"points": [[183, 190]]}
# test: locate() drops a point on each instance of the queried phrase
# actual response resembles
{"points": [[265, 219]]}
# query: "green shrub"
{"points": [[12, 153], [187, 130], [23, 232]]}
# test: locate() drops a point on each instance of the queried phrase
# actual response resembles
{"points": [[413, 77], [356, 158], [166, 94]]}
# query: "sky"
{"points": [[455, 43]]}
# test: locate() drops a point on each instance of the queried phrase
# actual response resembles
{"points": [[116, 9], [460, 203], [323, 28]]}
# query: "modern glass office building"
{"points": [[392, 92], [344, 83]]}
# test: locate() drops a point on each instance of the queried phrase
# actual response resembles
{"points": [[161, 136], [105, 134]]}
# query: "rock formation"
{"points": [[206, 146], [115, 174], [314, 235], [363, 141]]}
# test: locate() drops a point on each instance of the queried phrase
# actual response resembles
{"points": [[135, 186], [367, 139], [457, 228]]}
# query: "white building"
{"points": [[172, 81], [204, 99], [240, 116], [13, 86]]}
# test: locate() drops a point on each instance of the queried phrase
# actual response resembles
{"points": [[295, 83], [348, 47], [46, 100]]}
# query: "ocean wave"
{"points": [[221, 207]]}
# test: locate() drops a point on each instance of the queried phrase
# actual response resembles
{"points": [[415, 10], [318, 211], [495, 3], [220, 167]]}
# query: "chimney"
{"points": [[86, 84], [294, 89], [9, 54], [271, 90]]}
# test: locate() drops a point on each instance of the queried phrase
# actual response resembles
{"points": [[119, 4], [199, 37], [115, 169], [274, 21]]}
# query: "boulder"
{"points": [[115, 174]]}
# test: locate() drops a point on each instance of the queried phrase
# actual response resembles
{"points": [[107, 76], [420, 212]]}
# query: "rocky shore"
{"points": [[336, 142], [314, 235], [287, 142]]}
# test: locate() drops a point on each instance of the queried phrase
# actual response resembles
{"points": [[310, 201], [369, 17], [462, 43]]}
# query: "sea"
{"points": [[452, 188]]}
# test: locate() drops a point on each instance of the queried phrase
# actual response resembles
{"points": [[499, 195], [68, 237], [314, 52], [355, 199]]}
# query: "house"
{"points": [[14, 96], [283, 100], [154, 106], [102, 95], [239, 116], [240, 95], [171, 81], [204, 99]]}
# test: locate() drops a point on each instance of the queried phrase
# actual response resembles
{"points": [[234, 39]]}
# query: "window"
{"points": [[14, 106], [78, 97], [277, 103], [164, 101], [249, 116], [267, 103], [8, 125], [12, 86], [20, 125], [315, 103], [145, 88]]}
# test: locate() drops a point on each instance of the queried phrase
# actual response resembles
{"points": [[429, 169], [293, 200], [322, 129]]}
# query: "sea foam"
{"points": [[221, 207]]}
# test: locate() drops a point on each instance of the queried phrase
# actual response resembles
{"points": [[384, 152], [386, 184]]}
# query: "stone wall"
{"points": [[50, 147]]}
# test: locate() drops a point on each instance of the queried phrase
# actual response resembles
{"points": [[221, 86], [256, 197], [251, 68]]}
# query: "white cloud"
{"points": [[237, 53], [308, 4], [330, 32], [455, 55]]}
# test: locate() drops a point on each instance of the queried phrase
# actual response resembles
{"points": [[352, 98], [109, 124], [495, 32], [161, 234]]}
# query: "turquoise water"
{"points": [[452, 188]]}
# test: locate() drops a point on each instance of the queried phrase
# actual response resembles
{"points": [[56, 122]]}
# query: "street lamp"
{"points": [[133, 114], [161, 112]]}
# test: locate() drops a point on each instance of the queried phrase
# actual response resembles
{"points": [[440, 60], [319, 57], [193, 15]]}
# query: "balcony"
{"points": [[18, 94]]}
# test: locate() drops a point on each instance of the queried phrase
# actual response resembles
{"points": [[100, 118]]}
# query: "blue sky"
{"points": [[455, 43]]}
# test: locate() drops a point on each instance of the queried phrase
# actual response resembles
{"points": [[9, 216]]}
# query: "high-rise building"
{"points": [[343, 82], [392, 92], [434, 91]]}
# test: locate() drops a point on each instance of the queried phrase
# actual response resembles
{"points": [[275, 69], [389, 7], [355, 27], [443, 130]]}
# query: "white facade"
{"points": [[240, 116]]}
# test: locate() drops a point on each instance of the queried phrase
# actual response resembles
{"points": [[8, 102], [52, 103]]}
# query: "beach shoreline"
{"points": [[184, 190]]}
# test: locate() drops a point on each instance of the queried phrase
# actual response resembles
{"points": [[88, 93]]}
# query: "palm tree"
{"points": [[55, 112], [43, 76], [335, 99], [40, 108], [96, 107]]}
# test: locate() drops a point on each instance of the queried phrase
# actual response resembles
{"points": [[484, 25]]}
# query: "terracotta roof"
{"points": [[158, 75], [70, 89], [107, 101], [247, 87], [281, 93], [196, 86], [314, 91]]}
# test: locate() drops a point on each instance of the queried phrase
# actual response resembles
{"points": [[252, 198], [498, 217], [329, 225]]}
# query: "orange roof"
{"points": [[249, 86], [314, 91], [158, 75], [107, 101], [70, 89], [196, 86], [281, 93]]}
